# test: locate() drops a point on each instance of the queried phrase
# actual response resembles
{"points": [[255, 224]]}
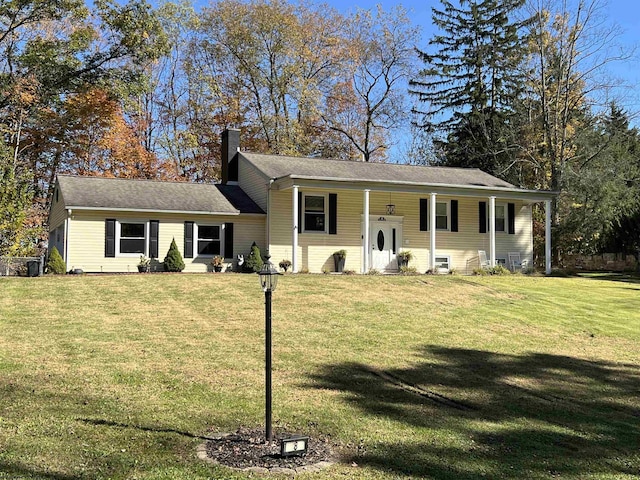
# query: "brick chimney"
{"points": [[229, 155]]}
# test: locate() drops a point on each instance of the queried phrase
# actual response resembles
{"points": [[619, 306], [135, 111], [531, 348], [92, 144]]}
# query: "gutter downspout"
{"points": [[67, 223], [268, 226]]}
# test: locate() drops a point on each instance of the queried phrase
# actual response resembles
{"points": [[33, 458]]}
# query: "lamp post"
{"points": [[268, 281]]}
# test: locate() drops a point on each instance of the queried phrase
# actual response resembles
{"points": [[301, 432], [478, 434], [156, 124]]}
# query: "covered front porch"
{"points": [[376, 223]]}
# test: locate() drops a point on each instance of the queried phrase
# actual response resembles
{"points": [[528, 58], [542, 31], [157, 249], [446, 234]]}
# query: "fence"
{"points": [[21, 266]]}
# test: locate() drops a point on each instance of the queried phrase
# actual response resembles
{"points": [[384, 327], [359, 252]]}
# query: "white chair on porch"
{"points": [[483, 262], [515, 263]]}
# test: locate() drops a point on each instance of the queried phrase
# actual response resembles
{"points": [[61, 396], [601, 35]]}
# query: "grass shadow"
{"points": [[109, 423], [612, 276], [18, 471], [477, 413]]}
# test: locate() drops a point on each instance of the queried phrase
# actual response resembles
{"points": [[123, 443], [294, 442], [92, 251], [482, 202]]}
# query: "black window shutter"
{"points": [[300, 209], [228, 240], [424, 214], [110, 238], [482, 215], [153, 238], [511, 213], [188, 239], [454, 215], [333, 213]]}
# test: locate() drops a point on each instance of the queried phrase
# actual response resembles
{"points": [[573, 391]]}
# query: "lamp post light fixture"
{"points": [[268, 281]]}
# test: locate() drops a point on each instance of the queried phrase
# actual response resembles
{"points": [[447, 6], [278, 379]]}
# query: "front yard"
{"points": [[413, 377]]}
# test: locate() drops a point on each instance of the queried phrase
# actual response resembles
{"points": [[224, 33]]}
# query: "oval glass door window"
{"points": [[380, 240]]}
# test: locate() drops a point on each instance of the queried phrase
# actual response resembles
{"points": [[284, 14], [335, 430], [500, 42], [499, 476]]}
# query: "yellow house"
{"points": [[302, 210]]}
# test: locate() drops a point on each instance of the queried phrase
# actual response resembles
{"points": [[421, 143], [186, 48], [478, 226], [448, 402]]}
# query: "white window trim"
{"points": [[118, 237], [448, 229], [196, 236], [506, 218], [438, 264], [326, 213]]}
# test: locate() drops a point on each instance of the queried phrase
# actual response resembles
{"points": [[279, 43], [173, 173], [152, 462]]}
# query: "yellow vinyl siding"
{"points": [[315, 249], [87, 240], [58, 212], [253, 182]]}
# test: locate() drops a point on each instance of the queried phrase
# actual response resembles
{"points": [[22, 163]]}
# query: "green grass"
{"points": [[504, 377]]}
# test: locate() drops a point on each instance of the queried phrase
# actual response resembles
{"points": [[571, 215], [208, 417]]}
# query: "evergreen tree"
{"points": [[254, 262], [56, 264], [602, 188], [471, 82], [173, 262]]}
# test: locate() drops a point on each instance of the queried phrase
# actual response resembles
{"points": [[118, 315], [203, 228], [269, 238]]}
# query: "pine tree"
{"points": [[56, 264], [471, 83], [173, 262], [254, 262]]}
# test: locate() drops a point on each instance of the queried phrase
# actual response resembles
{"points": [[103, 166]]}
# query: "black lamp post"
{"points": [[268, 281]]}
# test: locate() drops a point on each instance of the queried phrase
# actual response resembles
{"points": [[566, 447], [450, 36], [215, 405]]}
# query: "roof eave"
{"points": [[288, 181], [152, 210]]}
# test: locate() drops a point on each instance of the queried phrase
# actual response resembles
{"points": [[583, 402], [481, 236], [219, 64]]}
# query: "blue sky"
{"points": [[623, 13]]}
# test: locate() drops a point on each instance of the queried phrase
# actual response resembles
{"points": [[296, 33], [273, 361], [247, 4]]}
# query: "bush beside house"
{"points": [[173, 262], [56, 264]]}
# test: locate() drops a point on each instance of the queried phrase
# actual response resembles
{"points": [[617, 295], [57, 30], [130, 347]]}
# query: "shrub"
{"points": [[254, 262], [480, 271], [499, 270], [56, 264], [173, 261], [405, 270]]}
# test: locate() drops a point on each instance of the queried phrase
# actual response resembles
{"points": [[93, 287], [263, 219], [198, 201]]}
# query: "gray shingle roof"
{"points": [[278, 166], [127, 194]]}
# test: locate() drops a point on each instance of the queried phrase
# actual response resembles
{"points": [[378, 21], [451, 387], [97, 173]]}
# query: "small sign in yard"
{"points": [[294, 446]]}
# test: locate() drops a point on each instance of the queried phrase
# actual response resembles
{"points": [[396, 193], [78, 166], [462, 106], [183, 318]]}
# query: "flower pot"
{"points": [[338, 261], [403, 262], [217, 268], [144, 268]]}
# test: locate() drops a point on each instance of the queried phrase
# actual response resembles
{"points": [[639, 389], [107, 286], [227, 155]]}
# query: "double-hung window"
{"points": [[442, 217], [501, 218], [132, 238], [209, 240], [315, 213]]}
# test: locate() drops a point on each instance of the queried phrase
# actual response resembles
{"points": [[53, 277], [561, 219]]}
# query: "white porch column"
{"points": [[365, 236], [295, 231], [432, 231], [492, 231], [547, 237]]}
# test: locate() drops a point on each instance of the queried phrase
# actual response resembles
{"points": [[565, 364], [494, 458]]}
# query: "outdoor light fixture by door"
{"points": [[391, 208], [268, 281]]}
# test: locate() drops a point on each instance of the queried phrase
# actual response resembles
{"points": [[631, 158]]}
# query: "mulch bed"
{"points": [[247, 448]]}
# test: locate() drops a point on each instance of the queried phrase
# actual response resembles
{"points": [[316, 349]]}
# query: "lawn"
{"points": [[412, 377]]}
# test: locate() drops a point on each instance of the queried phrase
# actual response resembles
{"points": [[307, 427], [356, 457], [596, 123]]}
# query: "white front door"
{"points": [[383, 238]]}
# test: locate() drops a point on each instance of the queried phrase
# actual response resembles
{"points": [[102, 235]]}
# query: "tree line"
{"points": [[513, 87]]}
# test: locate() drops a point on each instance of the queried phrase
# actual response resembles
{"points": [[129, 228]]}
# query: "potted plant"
{"points": [[403, 258], [285, 264], [144, 265], [339, 258], [216, 262]]}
